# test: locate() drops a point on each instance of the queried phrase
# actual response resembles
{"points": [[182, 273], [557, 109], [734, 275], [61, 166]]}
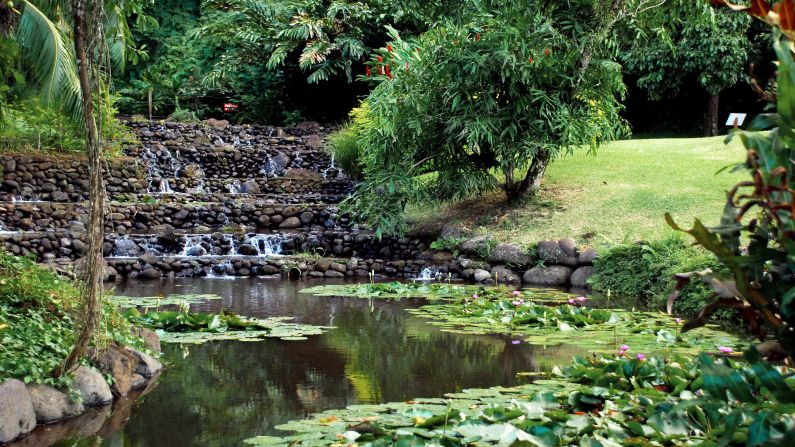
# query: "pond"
{"points": [[220, 393]]}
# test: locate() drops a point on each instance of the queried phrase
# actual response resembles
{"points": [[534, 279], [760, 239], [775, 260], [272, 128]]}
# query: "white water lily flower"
{"points": [[351, 435]]}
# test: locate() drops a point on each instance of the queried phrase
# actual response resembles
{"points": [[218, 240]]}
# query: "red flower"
{"points": [[389, 48], [418, 51], [380, 59], [407, 67], [388, 71], [367, 70], [477, 37], [530, 59], [546, 51]]}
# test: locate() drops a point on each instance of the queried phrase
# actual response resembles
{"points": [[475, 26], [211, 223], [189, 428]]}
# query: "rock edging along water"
{"points": [[23, 407]]}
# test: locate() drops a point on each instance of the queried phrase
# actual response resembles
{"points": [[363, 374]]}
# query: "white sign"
{"points": [[735, 119]]}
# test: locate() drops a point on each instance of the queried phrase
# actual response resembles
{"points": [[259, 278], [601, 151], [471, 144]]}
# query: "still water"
{"points": [[220, 393]]}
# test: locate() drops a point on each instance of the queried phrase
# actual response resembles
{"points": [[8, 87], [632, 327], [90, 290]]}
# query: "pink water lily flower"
{"points": [[625, 347], [516, 342], [641, 357], [475, 296], [678, 321], [571, 301], [517, 293], [582, 299], [725, 349], [518, 303]]}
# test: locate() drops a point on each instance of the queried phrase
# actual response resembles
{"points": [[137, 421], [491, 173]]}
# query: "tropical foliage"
{"points": [[761, 279], [465, 108]]}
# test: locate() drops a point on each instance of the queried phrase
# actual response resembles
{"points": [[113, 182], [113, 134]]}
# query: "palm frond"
{"points": [[51, 59]]}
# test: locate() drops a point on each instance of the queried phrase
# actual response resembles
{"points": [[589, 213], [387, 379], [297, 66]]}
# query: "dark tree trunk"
{"points": [[711, 124], [515, 191], [94, 268]]}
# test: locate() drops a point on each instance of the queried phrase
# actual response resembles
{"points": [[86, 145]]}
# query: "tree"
{"points": [[684, 42], [469, 107]]}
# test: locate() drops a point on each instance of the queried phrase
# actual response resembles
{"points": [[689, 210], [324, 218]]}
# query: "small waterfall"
{"points": [[16, 199], [331, 168], [266, 244], [429, 274], [199, 189], [225, 267], [193, 246], [268, 168], [232, 244], [165, 188], [234, 187], [161, 165]]}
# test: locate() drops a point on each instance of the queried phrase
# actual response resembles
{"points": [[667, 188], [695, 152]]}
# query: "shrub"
{"points": [[183, 116], [28, 126], [643, 272], [345, 144]]}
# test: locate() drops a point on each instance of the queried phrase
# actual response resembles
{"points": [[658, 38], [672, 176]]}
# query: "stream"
{"points": [[220, 393]]}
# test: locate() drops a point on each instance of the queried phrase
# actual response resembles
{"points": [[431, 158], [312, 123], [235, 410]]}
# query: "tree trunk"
{"points": [[711, 120], [94, 268], [516, 191]]}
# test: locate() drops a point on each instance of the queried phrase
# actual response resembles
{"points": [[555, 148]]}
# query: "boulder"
{"points": [[512, 254], [138, 382], [149, 274], [92, 387], [505, 275], [248, 250], [334, 274], [556, 275], [588, 256], [17, 416], [481, 275], [551, 252], [216, 124], [51, 405], [249, 187], [475, 245], [119, 363], [580, 276], [151, 339], [148, 366], [290, 223], [191, 171]]}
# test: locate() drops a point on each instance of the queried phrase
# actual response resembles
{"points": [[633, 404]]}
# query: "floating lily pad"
{"points": [[157, 301], [435, 291]]}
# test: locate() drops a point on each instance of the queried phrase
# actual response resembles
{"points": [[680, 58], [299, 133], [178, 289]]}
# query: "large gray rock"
{"points": [[475, 245], [92, 387], [119, 363], [588, 256], [250, 187], [290, 222], [248, 250], [580, 276], [556, 275], [148, 366], [17, 416], [505, 275], [481, 275], [51, 405], [553, 252], [512, 254], [149, 274]]}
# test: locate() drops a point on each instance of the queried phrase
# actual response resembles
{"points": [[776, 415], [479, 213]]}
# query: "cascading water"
{"points": [[234, 187], [429, 274], [266, 244], [220, 270], [269, 167], [193, 246], [161, 166]]}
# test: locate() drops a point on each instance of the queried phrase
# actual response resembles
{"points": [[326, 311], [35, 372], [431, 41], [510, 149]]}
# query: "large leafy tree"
{"points": [[489, 103], [684, 42]]}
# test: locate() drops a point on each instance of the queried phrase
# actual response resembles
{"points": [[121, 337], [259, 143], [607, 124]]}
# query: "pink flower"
{"points": [[516, 293], [725, 349], [516, 342], [625, 347], [518, 303], [475, 296], [581, 299], [571, 301], [641, 357], [678, 321]]}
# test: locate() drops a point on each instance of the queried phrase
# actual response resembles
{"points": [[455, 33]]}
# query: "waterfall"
{"points": [[232, 244], [268, 168], [429, 274], [266, 244], [162, 166], [193, 246], [234, 187], [165, 188], [225, 266]]}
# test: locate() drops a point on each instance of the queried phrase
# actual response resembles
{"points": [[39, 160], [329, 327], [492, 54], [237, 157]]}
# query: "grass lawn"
{"points": [[620, 194]]}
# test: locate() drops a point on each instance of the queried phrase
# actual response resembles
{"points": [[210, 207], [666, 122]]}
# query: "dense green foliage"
{"points": [[642, 274], [487, 103], [38, 312], [761, 210]]}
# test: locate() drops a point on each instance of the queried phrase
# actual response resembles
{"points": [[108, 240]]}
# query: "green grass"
{"points": [[619, 194]]}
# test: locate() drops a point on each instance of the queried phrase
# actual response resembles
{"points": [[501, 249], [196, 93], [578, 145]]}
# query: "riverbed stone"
{"points": [[475, 245], [17, 416], [581, 276], [505, 275], [290, 223], [148, 366], [588, 256], [51, 405], [555, 275], [481, 275], [93, 388], [119, 363], [150, 273], [552, 252], [509, 253]]}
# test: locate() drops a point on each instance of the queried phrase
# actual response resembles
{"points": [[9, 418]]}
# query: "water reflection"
{"points": [[218, 394]]}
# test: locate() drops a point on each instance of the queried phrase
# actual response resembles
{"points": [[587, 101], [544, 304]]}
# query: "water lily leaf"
{"points": [[503, 434]]}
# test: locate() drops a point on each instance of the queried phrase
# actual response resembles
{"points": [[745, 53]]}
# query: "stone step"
{"points": [[165, 217], [293, 183]]}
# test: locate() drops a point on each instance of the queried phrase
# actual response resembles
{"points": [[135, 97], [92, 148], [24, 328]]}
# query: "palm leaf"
{"points": [[51, 59]]}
